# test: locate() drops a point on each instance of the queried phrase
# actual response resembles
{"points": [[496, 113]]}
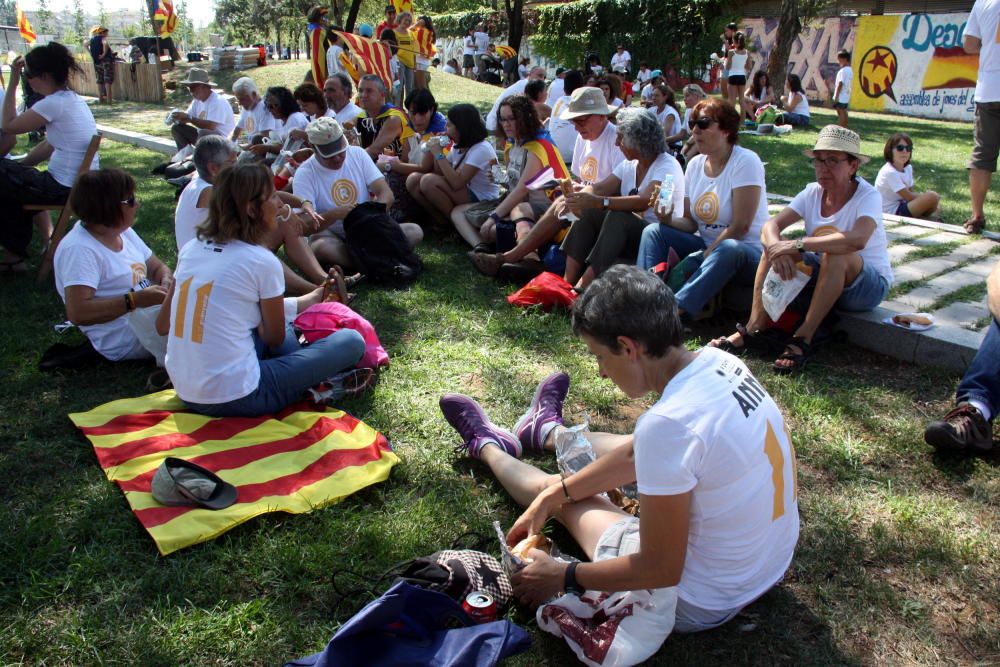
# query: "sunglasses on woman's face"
{"points": [[903, 148], [702, 123]]}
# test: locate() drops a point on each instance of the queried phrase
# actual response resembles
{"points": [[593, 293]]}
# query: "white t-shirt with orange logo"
{"points": [[217, 110], [711, 198], [330, 188], [256, 120], [593, 161], [83, 260]]}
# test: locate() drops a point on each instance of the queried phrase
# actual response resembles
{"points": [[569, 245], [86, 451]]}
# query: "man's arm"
{"points": [[993, 291], [972, 45]]}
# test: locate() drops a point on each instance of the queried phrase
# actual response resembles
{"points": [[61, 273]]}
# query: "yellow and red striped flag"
{"points": [[403, 6], [373, 56], [24, 27], [166, 16], [424, 41], [295, 461], [347, 65], [506, 52]]}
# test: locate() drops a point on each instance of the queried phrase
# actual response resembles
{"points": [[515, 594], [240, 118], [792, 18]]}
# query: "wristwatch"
{"points": [[605, 203], [800, 245], [569, 583]]}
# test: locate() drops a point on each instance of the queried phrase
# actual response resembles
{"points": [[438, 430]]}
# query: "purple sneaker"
{"points": [[468, 418], [544, 412]]}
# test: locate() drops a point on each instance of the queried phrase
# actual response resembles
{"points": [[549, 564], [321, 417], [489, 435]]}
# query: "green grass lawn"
{"points": [[896, 563]]}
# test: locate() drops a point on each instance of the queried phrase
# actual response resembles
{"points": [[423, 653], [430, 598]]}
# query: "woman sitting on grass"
{"points": [[895, 182], [103, 269], [463, 175], [758, 94], [845, 248], [417, 155], [282, 105], [229, 351], [794, 102]]}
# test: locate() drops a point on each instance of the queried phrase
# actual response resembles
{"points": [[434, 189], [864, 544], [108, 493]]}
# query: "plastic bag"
{"points": [[573, 450], [545, 290], [143, 324], [777, 294]]}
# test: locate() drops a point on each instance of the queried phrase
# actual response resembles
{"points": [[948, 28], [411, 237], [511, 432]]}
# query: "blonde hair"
{"points": [[238, 194]]}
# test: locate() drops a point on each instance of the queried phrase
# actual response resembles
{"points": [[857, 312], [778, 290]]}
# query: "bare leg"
{"points": [[842, 117], [601, 442], [588, 277], [7, 143], [330, 250], [540, 233], [294, 283], [43, 224], [442, 196], [924, 203], [758, 316], [468, 233], [979, 185], [302, 257], [574, 270], [835, 272], [413, 187], [414, 233]]}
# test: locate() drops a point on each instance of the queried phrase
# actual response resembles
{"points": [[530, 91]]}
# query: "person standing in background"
{"points": [[104, 63], [982, 36], [842, 88]]}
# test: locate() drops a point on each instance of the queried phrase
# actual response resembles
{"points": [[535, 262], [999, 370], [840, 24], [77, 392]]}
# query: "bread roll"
{"points": [[536, 541], [910, 320]]}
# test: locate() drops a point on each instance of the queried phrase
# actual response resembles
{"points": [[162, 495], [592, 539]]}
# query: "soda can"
{"points": [[480, 606]]}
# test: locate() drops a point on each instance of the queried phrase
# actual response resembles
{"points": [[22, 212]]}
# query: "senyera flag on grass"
{"points": [[295, 461]]}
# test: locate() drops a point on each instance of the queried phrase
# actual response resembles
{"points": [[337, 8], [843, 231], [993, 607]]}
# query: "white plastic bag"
{"points": [[612, 630], [777, 294], [143, 323]]}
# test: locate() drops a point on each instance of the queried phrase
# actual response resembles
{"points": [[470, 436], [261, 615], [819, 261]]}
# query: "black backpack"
{"points": [[378, 246]]}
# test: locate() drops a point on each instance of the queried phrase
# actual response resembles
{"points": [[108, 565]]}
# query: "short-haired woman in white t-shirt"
{"points": [[844, 248], [895, 182], [725, 200], [229, 350], [69, 127]]}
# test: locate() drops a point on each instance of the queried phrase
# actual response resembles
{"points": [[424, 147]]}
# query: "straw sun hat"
{"points": [[836, 138]]}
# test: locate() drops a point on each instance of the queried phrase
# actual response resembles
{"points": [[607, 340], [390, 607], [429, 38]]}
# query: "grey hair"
{"points": [[378, 81], [345, 82], [627, 301], [641, 131], [244, 86], [212, 149]]}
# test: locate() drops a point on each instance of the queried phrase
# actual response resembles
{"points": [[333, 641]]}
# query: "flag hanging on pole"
{"points": [[24, 27], [166, 16], [373, 56], [506, 52]]}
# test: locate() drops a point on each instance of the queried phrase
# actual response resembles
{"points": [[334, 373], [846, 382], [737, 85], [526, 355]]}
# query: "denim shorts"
{"points": [[866, 291], [904, 209]]}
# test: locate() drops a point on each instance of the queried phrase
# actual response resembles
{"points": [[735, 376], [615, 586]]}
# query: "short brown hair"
{"points": [[525, 116], [723, 112], [98, 195], [237, 191], [310, 92], [890, 145]]}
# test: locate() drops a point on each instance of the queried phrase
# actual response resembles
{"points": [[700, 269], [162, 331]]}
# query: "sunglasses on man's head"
{"points": [[702, 123], [903, 148]]}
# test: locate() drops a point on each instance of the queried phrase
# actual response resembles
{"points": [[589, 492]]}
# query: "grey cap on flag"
{"points": [[180, 482]]}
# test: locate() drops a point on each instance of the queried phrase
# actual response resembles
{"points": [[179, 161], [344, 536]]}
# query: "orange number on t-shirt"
{"points": [[772, 449], [200, 308]]}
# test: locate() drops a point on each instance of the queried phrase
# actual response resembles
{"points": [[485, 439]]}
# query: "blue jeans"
{"points": [[795, 118], [864, 293], [730, 260], [288, 371], [982, 380], [658, 239]]}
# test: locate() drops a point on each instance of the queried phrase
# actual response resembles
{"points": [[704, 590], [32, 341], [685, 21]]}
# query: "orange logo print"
{"points": [[344, 192], [138, 273], [707, 207], [588, 172], [878, 72]]}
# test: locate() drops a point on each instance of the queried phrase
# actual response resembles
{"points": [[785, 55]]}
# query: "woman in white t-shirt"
{"points": [[69, 127], [614, 212], [282, 105], [794, 102], [895, 182], [103, 269], [229, 350], [844, 249], [611, 86], [664, 107], [725, 201]]}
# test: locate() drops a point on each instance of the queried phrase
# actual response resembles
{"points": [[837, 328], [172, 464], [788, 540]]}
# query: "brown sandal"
{"points": [[335, 287], [486, 263], [974, 225]]}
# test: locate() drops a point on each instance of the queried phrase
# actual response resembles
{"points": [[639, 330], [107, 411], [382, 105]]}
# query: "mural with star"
{"points": [[914, 64]]}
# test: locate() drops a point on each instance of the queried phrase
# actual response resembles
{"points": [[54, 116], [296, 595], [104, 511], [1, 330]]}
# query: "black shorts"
{"points": [[840, 105], [737, 79], [468, 62]]}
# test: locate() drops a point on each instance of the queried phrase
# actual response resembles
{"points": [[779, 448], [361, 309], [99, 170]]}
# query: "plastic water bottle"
{"points": [[665, 200]]}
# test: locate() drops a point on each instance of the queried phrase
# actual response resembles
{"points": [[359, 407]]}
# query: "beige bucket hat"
{"points": [[836, 138], [586, 101]]}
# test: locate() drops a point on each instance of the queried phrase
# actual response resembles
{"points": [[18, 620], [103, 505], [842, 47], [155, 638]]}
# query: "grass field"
{"points": [[896, 563]]}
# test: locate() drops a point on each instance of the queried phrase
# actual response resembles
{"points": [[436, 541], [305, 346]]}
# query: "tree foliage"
{"points": [[678, 34], [794, 15]]}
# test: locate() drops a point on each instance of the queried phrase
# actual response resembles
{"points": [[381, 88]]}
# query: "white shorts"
{"points": [[422, 64]]}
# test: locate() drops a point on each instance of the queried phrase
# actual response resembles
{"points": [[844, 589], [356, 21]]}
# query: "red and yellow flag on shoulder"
{"points": [[424, 41], [24, 27], [295, 461]]}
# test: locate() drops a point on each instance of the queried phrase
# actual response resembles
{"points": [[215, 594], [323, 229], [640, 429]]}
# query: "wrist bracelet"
{"points": [[562, 480], [129, 302]]}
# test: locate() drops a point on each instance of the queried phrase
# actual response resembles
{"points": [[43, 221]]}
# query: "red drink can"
{"points": [[480, 606]]}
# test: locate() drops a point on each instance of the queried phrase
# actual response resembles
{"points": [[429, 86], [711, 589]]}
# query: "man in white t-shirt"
{"points": [[516, 88], [982, 36], [208, 113], [842, 86], [621, 60], [481, 39], [595, 155], [254, 117], [712, 461], [556, 88], [333, 54], [337, 92], [646, 94], [335, 179]]}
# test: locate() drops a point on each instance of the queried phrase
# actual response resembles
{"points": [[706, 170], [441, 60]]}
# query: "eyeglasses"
{"points": [[702, 123], [903, 148], [829, 163], [131, 201]]}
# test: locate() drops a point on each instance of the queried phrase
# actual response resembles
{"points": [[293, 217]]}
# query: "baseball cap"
{"points": [[326, 136], [180, 482], [655, 73], [586, 101]]}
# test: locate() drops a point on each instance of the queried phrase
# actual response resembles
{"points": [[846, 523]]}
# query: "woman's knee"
{"points": [[349, 344], [414, 233], [413, 183], [428, 182]]}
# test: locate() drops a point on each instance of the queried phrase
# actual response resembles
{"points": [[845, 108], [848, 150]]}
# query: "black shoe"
{"points": [[160, 169], [61, 355], [962, 428], [520, 272]]}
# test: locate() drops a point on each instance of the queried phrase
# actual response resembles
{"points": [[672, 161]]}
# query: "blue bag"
{"points": [[410, 626], [555, 259]]}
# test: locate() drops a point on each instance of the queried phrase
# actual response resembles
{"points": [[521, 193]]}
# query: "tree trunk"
{"points": [[352, 16], [338, 12], [789, 27], [515, 23], [277, 32]]}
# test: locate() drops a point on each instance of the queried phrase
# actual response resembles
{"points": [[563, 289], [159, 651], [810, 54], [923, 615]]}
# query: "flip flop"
{"points": [[334, 288], [723, 343], [974, 225], [799, 359]]}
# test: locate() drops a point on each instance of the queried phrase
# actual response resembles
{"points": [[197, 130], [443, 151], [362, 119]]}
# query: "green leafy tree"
{"points": [[8, 12], [44, 17], [794, 15], [79, 21], [102, 14]]}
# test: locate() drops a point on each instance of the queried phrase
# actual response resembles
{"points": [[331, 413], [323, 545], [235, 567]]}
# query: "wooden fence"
{"points": [[141, 84]]}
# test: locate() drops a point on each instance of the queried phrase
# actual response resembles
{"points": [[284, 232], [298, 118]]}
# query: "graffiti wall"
{"points": [[914, 65], [814, 54]]}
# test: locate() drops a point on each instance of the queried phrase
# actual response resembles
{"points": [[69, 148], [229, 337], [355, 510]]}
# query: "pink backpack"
{"points": [[322, 319]]}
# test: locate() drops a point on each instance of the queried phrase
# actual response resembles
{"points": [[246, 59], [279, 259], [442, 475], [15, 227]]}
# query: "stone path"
{"points": [[941, 270]]}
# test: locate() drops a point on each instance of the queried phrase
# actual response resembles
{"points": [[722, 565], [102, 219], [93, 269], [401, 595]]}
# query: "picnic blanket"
{"points": [[300, 459]]}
